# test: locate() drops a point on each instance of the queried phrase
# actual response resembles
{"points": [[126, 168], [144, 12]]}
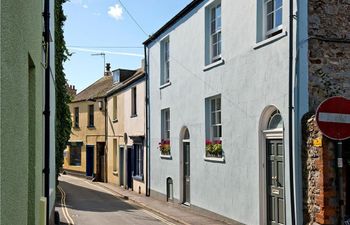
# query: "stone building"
{"points": [[325, 201]]}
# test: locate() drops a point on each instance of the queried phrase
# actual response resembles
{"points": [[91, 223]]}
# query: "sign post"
{"points": [[333, 119]]}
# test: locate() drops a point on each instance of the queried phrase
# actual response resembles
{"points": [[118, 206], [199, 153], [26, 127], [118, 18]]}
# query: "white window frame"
{"points": [[165, 61], [216, 32], [138, 148], [165, 117], [216, 111], [276, 28]]}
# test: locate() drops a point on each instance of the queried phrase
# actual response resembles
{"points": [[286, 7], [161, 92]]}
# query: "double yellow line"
{"points": [[64, 207]]}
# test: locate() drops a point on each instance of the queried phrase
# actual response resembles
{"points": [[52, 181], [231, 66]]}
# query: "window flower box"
{"points": [[164, 147], [213, 148]]}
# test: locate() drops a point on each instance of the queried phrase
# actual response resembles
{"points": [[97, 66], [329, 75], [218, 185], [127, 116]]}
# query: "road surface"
{"points": [[82, 202]]}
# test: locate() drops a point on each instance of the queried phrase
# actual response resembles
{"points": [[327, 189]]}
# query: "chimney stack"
{"points": [[71, 90], [108, 69]]}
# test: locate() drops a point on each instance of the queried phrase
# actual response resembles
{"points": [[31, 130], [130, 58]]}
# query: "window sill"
{"points": [[270, 40], [75, 166], [166, 157], [91, 127], [138, 178], [214, 159], [115, 121], [76, 128], [132, 116], [214, 64], [115, 173], [165, 85]]}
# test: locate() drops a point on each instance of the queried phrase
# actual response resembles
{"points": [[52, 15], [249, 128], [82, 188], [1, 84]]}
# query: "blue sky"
{"points": [[93, 24]]}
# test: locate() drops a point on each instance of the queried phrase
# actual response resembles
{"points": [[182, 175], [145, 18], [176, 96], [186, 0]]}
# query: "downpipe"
{"points": [[46, 170]]}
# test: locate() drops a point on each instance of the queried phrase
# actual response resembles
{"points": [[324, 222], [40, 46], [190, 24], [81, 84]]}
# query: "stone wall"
{"points": [[329, 75], [319, 174], [329, 50]]}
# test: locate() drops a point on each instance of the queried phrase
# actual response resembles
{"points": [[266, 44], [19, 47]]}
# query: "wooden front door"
{"points": [[186, 170], [89, 160], [275, 182]]}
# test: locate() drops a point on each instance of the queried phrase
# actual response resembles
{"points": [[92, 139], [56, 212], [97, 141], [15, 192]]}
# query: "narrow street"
{"points": [[82, 202]]}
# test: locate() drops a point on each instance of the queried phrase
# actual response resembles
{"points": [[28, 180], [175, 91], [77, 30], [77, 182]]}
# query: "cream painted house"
{"points": [[126, 130], [86, 149]]}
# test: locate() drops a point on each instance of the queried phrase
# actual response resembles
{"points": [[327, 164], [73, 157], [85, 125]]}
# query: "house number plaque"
{"points": [[275, 191]]}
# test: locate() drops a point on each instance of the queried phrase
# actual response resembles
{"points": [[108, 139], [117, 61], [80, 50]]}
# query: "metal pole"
{"points": [[104, 60], [340, 181]]}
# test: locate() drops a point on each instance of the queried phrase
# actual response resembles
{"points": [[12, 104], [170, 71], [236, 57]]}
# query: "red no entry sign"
{"points": [[333, 118]]}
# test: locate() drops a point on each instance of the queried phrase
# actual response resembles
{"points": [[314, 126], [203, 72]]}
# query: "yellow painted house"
{"points": [[126, 130], [86, 149]]}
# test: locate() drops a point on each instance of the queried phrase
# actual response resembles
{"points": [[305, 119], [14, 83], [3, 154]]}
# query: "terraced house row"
{"points": [[221, 116]]}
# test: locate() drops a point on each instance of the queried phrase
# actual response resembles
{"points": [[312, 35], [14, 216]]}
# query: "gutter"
{"points": [[46, 170], [148, 189], [291, 110]]}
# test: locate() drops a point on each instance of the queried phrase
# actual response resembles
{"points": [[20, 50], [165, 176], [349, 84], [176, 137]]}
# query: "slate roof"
{"points": [[95, 90], [139, 74]]}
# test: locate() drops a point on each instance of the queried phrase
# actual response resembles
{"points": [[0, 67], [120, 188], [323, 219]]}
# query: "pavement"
{"points": [[162, 211]]}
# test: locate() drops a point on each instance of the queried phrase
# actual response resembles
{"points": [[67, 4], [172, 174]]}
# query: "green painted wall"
{"points": [[21, 106]]}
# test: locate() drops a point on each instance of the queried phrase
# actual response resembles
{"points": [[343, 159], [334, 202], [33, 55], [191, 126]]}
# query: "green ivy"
{"points": [[63, 118]]}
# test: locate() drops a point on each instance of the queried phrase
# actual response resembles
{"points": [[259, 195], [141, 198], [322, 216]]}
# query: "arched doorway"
{"points": [[272, 168], [185, 166]]}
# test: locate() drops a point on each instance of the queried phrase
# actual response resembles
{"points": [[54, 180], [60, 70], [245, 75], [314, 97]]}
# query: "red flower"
{"points": [[218, 142], [208, 142]]}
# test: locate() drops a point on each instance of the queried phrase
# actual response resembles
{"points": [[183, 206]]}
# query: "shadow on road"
{"points": [[88, 199]]}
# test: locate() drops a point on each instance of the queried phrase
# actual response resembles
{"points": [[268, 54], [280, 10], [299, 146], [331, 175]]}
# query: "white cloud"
{"points": [[85, 6], [96, 14], [116, 12]]}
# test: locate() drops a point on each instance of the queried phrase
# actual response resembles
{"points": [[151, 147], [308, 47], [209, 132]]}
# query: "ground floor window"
{"points": [[75, 156], [138, 149]]}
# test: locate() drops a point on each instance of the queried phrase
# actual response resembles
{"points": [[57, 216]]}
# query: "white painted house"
{"points": [[219, 98]]}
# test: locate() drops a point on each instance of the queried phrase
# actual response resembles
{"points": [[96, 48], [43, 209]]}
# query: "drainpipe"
{"points": [[147, 127], [291, 110], [46, 170], [106, 140]]}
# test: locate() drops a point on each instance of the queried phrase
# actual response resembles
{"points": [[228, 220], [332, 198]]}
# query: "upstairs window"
{"points": [[269, 18], [215, 32], [165, 62], [76, 117], [213, 37], [115, 108], [273, 17], [91, 116], [133, 102]]}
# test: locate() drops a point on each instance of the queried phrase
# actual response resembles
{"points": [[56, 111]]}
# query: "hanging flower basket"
{"points": [[164, 147], [213, 148]]}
